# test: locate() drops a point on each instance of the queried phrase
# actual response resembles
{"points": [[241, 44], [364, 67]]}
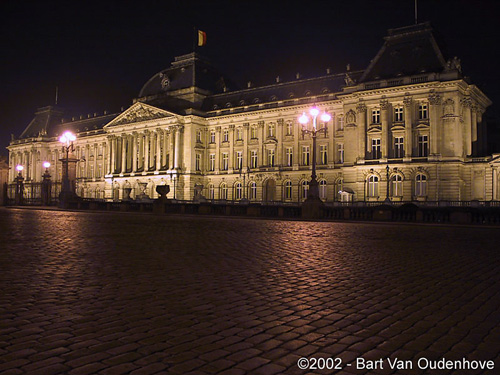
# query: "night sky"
{"points": [[100, 54]]}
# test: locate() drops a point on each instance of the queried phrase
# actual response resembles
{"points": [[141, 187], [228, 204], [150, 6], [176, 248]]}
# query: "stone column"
{"points": [[295, 152], [231, 149], [177, 155], [124, 153], [96, 150], [111, 155], [134, 152], [262, 138], [165, 149], [146, 151], [279, 138], [434, 106], [361, 120], [384, 116], [408, 139], [171, 147], [217, 149], [158, 149], [494, 193], [467, 125], [245, 162]]}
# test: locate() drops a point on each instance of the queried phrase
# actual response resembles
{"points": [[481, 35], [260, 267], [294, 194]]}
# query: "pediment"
{"points": [[139, 112]]}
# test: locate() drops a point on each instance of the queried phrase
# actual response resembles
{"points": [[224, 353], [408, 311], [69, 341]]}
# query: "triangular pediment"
{"points": [[140, 112]]}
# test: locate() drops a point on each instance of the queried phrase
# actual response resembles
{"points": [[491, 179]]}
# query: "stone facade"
{"points": [[409, 128]]}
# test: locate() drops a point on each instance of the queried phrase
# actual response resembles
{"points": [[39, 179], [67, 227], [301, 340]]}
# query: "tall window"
{"points": [[373, 186], [223, 191], [270, 158], [238, 191], [421, 185], [340, 153], [225, 161], [305, 155], [212, 136], [289, 156], [376, 152], [253, 159], [423, 113], [225, 135], [288, 189], [399, 147], [340, 123], [323, 154], [239, 159], [239, 134], [211, 191], [271, 130], [289, 128], [376, 116], [397, 185], [423, 145], [304, 189], [253, 132], [198, 162], [211, 162], [198, 136], [322, 189], [398, 114], [253, 190]]}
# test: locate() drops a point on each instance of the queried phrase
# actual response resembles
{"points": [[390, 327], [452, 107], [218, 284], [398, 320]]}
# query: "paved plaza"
{"points": [[110, 293]]}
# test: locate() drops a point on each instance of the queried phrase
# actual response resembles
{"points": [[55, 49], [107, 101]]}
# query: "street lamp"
{"points": [[172, 178], [387, 169], [313, 192], [46, 184], [18, 197], [67, 140], [244, 173]]}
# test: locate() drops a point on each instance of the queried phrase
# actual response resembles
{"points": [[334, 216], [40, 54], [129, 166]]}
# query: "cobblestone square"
{"points": [[110, 293]]}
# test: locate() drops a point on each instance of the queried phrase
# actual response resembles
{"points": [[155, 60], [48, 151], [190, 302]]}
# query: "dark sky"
{"points": [[99, 54]]}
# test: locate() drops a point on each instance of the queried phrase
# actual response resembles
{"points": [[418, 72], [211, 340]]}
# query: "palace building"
{"points": [[409, 126]]}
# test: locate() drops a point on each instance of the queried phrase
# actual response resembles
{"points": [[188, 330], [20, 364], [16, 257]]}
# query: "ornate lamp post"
{"points": [[19, 186], [244, 173], [313, 192], [387, 169], [67, 192], [172, 178], [46, 185]]}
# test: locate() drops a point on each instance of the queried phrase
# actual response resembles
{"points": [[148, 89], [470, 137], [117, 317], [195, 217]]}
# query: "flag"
{"points": [[202, 38]]}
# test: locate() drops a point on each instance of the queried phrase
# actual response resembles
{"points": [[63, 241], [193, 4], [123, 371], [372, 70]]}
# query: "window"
{"points": [[239, 134], [340, 153], [423, 145], [399, 147], [322, 189], [304, 189], [211, 191], [253, 190], [340, 123], [223, 191], [421, 185], [376, 152], [253, 132], [253, 159], [239, 160], [238, 191], [211, 162], [289, 156], [423, 114], [271, 130], [270, 158], [198, 136], [289, 128], [225, 135], [398, 114], [373, 186], [323, 154], [376, 116], [212, 136], [288, 189], [397, 185], [305, 155], [198, 162], [225, 161]]}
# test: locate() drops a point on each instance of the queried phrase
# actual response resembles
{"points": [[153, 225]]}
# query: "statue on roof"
{"points": [[454, 64]]}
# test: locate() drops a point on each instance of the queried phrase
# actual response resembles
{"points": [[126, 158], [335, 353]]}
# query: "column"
{"points": [[158, 149], [165, 149], [217, 149], [87, 160], [124, 153], [96, 150], [171, 147], [408, 139], [134, 152], [246, 127], [177, 155], [279, 137], [434, 106], [494, 193], [231, 148], [361, 119], [384, 108], [467, 125], [296, 151], [146, 151], [262, 138]]}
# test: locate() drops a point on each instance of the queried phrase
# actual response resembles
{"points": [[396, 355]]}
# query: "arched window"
{"points": [[304, 189], [421, 185], [223, 191], [288, 190], [238, 191], [253, 190], [373, 186], [211, 191], [397, 185], [322, 189]]}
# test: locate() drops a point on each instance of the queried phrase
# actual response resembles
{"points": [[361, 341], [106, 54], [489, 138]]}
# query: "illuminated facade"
{"points": [[409, 126]]}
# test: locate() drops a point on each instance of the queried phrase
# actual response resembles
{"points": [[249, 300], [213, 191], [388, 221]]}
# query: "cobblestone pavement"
{"points": [[109, 293]]}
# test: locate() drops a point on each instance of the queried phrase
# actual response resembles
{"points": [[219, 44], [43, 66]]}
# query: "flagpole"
{"points": [[416, 18], [194, 38]]}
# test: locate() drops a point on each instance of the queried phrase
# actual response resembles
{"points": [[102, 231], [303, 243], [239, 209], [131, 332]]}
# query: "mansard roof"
{"points": [[407, 51]]}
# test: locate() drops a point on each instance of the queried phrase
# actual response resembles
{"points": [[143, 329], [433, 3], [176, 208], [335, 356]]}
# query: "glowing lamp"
{"points": [[19, 168], [303, 119], [314, 111], [67, 137], [46, 164], [325, 117]]}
